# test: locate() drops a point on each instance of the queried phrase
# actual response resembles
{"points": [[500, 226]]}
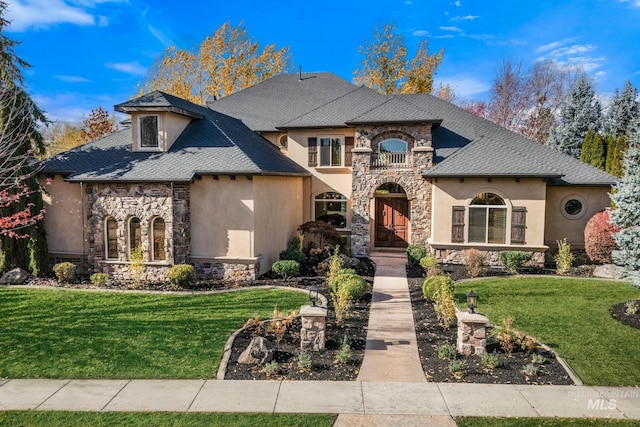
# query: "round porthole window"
{"points": [[573, 207]]}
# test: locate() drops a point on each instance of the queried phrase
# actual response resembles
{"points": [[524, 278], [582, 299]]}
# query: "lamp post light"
{"points": [[472, 301], [313, 295]]}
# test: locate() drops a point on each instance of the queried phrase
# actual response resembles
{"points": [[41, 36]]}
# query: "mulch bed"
{"points": [[619, 312]]}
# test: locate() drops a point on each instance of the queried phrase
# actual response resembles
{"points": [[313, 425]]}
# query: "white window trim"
{"points": [[345, 200], [342, 151], [159, 146], [467, 218]]}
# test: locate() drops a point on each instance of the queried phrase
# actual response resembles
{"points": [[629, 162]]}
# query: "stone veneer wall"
{"points": [[366, 180], [454, 256], [229, 270], [146, 202]]}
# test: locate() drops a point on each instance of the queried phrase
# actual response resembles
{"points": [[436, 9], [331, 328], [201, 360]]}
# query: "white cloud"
{"points": [[166, 42], [457, 3], [421, 33], [572, 56], [451, 28], [133, 68], [635, 3], [72, 79], [446, 36], [103, 21], [38, 14], [552, 45], [465, 86], [464, 18]]}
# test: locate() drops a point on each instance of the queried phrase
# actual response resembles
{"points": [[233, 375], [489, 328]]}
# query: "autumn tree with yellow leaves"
{"points": [[227, 61], [65, 136], [387, 69]]}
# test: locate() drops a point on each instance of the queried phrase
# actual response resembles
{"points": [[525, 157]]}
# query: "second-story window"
{"points": [[331, 151], [148, 131]]}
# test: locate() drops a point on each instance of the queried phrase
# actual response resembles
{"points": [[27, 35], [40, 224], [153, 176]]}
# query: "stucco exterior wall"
{"points": [[170, 126], [530, 193], [63, 217], [278, 213], [559, 226], [222, 217]]}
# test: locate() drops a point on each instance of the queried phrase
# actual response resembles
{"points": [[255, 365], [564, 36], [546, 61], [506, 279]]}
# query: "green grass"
{"points": [[158, 419], [82, 334], [572, 316], [539, 422]]}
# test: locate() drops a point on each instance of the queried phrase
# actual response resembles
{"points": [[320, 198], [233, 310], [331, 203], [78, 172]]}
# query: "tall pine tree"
{"points": [[22, 235], [627, 215], [585, 150], [617, 167], [598, 152], [622, 111], [580, 113]]}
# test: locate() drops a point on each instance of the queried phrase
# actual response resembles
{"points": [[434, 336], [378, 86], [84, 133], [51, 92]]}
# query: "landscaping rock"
{"points": [[259, 351], [608, 271], [17, 276]]}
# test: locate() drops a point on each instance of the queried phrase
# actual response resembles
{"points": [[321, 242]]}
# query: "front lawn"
{"points": [[159, 419], [84, 334], [572, 316]]}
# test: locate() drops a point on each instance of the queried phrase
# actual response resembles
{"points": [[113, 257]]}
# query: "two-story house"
{"points": [[225, 186]]}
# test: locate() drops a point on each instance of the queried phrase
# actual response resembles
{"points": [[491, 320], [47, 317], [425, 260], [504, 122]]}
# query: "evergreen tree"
{"points": [[22, 236], [627, 215], [610, 150], [597, 152], [623, 109], [617, 167], [585, 151], [578, 115]]}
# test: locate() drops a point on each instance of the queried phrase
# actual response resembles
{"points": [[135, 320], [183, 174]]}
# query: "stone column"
{"points": [[472, 333], [314, 328], [360, 239]]}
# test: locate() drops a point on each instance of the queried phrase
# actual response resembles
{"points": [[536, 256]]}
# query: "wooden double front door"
{"points": [[392, 222]]}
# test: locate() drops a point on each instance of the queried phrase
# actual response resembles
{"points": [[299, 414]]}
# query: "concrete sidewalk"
{"points": [[415, 400]]}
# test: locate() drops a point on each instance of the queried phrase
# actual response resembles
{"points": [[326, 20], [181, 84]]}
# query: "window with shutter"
{"points": [[518, 224], [312, 143], [457, 222]]}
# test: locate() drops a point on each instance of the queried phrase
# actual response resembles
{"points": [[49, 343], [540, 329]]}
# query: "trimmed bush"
{"points": [[65, 272], [514, 260], [99, 279], [430, 285], [429, 264], [293, 251], [415, 253], [181, 274], [439, 289], [598, 238], [286, 268], [352, 286], [347, 271]]}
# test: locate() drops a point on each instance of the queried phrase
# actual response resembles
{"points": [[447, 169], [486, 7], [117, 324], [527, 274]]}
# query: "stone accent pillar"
{"points": [[360, 199], [314, 328], [472, 333]]}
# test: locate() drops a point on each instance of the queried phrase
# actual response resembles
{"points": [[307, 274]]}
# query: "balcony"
{"points": [[391, 160]]}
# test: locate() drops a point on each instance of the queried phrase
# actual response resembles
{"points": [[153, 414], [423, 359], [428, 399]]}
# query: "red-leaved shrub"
{"points": [[598, 237]]}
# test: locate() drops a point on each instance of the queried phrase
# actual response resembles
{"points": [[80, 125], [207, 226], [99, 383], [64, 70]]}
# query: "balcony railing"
{"points": [[391, 160]]}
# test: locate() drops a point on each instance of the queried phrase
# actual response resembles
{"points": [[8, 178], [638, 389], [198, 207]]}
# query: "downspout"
{"points": [[84, 231]]}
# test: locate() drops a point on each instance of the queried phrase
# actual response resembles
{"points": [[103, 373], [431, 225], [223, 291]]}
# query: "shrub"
{"points": [[352, 285], [304, 362], [530, 370], [180, 275], [631, 308], [286, 268], [65, 272], [99, 279], [446, 351], [271, 368], [491, 360], [505, 335], [564, 257], [458, 368], [538, 359], [430, 285], [344, 353], [136, 263], [415, 253], [293, 252], [3, 262], [345, 248], [514, 260], [335, 265], [280, 323], [341, 305], [347, 271], [598, 237], [257, 324], [439, 289], [319, 234], [430, 265], [473, 260]]}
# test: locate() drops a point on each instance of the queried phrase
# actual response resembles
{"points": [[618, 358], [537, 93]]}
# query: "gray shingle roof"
{"points": [[160, 101], [215, 145], [269, 104]]}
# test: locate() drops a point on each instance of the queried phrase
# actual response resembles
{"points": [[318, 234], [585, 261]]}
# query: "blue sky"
{"points": [[87, 53]]}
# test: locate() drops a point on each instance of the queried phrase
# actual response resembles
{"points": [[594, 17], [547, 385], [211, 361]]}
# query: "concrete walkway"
{"points": [[390, 389]]}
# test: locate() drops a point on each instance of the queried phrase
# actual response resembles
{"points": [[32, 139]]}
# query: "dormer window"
{"points": [[149, 132]]}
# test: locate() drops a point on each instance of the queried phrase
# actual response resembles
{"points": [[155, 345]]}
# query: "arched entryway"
{"points": [[391, 216]]}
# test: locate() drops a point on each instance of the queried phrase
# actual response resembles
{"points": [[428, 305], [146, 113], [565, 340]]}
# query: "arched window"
{"points": [[158, 233], [135, 236], [111, 238], [331, 207], [488, 219], [392, 151]]}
